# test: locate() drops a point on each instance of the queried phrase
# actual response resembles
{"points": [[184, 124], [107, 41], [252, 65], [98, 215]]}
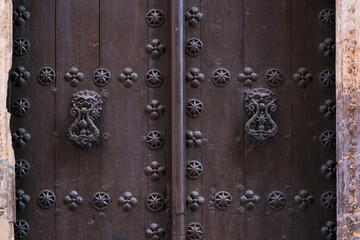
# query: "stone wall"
{"points": [[7, 175]]}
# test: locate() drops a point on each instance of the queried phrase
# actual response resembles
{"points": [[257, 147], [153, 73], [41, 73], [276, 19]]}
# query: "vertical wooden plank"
{"points": [[39, 121], [222, 118], [308, 122], [77, 45], [268, 166], [178, 190]]}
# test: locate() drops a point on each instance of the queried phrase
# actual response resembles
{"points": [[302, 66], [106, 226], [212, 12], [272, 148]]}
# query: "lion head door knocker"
{"points": [[260, 105], [86, 107]]}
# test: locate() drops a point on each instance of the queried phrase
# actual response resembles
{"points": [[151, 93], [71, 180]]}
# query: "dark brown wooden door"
{"points": [[100, 119]]}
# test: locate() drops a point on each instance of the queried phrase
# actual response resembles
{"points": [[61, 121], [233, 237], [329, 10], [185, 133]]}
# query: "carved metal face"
{"points": [[86, 107], [260, 106]]}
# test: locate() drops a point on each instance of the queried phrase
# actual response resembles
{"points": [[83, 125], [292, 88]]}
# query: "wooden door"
{"points": [[174, 119]]}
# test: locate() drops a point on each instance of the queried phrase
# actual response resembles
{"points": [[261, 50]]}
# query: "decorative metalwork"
{"points": [[86, 107], [21, 229], [21, 15], [155, 18], [22, 168], [155, 48], [22, 199], [329, 169], [303, 200], [20, 76], [20, 137], [194, 201], [193, 47], [46, 76], [128, 77], [154, 109], [155, 202], [328, 109], [101, 201], [154, 171], [155, 232], [102, 77], [248, 77], [222, 200], [194, 139], [194, 77], [154, 78], [274, 77], [250, 199], [127, 201], [277, 200], [194, 231], [327, 78], [46, 199], [21, 46], [154, 140], [194, 108], [329, 231], [328, 139], [260, 105], [328, 200], [20, 106], [327, 17], [221, 77], [328, 47], [302, 77], [194, 169], [73, 200], [74, 77], [193, 16]]}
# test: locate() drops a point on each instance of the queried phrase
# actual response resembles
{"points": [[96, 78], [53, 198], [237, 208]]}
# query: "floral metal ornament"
{"points": [[74, 77], [328, 200], [194, 139], [155, 202], [193, 16], [274, 77], [154, 171], [21, 229], [221, 77], [193, 47], [302, 77], [304, 199], [20, 137], [194, 108], [46, 199], [260, 105], [20, 76], [222, 200], [155, 48], [21, 46], [22, 168], [250, 200], [328, 47], [154, 109], [86, 107], [22, 199], [328, 139], [21, 15], [101, 77], [154, 78], [194, 231], [194, 169], [101, 201], [194, 77], [327, 17], [155, 18], [128, 77], [194, 201], [248, 77], [329, 231], [73, 200], [327, 78], [328, 109], [277, 200], [155, 232], [127, 201], [154, 140], [329, 169], [46, 76], [20, 106]]}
